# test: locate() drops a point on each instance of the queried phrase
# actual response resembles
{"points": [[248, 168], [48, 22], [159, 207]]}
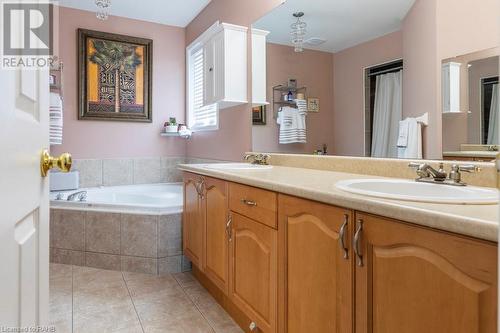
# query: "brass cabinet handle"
{"points": [[249, 202], [200, 187], [342, 237], [48, 162], [356, 245], [228, 228]]}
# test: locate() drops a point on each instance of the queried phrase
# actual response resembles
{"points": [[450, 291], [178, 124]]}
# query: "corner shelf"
{"points": [[177, 135], [277, 101]]}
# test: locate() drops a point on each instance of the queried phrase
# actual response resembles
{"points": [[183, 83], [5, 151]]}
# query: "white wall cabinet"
{"points": [[451, 87], [225, 66], [259, 67]]}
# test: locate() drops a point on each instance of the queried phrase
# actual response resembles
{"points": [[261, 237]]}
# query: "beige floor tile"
{"points": [[189, 322], [172, 306], [60, 270], [61, 321], [108, 297], [87, 279], [200, 296], [185, 278], [219, 319], [151, 285], [105, 319]]}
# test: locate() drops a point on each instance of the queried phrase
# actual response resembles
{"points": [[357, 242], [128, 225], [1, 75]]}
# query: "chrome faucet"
{"points": [[426, 171], [81, 196], [427, 174], [259, 159]]}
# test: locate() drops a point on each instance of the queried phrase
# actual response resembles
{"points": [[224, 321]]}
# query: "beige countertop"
{"points": [[480, 221], [471, 153]]}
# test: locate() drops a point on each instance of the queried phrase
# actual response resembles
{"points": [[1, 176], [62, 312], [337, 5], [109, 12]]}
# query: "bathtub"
{"points": [[151, 199]]}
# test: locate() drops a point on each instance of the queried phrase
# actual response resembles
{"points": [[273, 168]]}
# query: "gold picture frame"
{"points": [[313, 104], [115, 77]]}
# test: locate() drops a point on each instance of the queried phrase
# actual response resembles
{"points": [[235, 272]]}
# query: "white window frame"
{"points": [[194, 47]]}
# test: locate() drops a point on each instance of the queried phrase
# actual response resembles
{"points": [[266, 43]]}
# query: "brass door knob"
{"points": [[48, 162]]}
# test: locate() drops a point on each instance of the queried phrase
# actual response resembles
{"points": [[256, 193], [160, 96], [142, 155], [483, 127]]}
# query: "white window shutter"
{"points": [[201, 117]]}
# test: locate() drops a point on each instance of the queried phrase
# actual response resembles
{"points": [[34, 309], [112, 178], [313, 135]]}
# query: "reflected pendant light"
{"points": [[103, 6], [298, 32]]}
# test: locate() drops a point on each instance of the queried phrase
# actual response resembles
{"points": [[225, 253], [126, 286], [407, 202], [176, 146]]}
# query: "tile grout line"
{"points": [[194, 303], [133, 303]]}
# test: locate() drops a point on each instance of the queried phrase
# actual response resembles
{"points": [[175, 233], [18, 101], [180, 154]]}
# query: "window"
{"points": [[200, 117]]}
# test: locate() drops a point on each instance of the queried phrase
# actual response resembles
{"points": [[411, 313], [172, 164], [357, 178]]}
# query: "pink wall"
{"points": [[105, 139], [313, 69], [234, 136], [422, 70], [349, 65]]}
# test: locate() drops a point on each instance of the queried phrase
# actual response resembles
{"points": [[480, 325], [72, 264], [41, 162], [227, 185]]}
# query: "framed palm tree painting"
{"points": [[115, 77]]}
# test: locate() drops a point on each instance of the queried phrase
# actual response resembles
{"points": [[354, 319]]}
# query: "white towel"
{"points": [[403, 134], [56, 119], [413, 147], [292, 126]]}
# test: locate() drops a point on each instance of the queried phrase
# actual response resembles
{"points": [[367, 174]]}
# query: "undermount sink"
{"points": [[237, 166], [408, 190]]}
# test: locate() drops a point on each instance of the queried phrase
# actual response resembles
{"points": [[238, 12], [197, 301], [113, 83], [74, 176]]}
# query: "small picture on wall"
{"points": [[115, 77], [259, 115], [313, 104]]}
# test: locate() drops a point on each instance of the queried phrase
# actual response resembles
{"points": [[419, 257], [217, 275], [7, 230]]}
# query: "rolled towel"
{"points": [[55, 119]]}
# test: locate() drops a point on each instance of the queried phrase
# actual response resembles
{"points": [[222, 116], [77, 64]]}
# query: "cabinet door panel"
{"points": [[254, 271], [315, 281], [418, 280], [208, 73], [216, 257], [193, 221]]}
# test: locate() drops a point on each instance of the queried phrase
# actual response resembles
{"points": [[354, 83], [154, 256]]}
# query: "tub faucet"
{"points": [[81, 196], [259, 159]]}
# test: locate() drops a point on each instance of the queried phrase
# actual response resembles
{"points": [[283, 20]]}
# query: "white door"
{"points": [[24, 205]]}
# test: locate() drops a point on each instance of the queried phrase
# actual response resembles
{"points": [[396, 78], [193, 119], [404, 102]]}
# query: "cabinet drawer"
{"points": [[254, 203]]}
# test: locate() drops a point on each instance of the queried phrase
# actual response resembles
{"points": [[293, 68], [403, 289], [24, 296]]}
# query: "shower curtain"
{"points": [[493, 127], [387, 114]]}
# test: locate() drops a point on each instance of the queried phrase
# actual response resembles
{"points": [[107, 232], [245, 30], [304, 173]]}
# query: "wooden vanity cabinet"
{"points": [[315, 267], [253, 276], [215, 197], [193, 231], [204, 231], [413, 279], [283, 264]]}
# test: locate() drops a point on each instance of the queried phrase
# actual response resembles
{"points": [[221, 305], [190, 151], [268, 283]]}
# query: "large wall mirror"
{"points": [[339, 81], [470, 105]]}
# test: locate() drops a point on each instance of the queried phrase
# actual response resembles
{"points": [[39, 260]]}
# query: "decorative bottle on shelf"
{"points": [[290, 96]]}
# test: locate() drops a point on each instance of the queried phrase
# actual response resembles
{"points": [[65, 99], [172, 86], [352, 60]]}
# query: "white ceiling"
{"points": [[177, 13], [343, 23]]}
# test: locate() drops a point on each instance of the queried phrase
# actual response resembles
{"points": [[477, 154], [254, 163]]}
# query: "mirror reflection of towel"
{"points": [[292, 126], [403, 134], [413, 147]]}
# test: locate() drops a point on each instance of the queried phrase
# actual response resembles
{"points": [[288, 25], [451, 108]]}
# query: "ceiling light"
{"points": [[103, 6], [298, 32]]}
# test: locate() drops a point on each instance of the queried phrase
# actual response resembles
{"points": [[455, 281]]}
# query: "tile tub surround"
{"points": [[383, 167], [84, 299], [479, 221], [128, 171], [137, 243]]}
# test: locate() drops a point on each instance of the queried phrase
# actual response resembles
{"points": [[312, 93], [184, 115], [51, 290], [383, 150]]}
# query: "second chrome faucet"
{"points": [[426, 173]]}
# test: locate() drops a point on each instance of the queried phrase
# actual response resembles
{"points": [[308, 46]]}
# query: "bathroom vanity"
{"points": [[283, 253]]}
